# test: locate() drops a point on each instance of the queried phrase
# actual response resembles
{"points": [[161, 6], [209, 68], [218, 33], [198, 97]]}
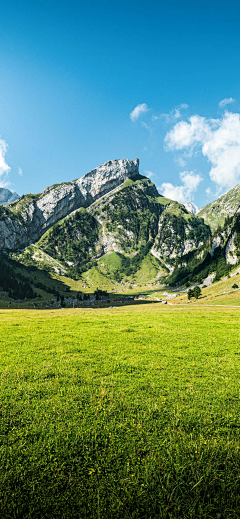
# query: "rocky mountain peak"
{"points": [[37, 213], [193, 208], [7, 196]]}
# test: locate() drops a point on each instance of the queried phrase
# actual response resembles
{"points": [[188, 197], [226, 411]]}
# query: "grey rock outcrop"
{"points": [[33, 215], [230, 251]]}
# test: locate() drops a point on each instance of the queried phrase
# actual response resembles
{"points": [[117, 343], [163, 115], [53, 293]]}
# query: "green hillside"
{"points": [[140, 268], [23, 284], [226, 205], [73, 241]]}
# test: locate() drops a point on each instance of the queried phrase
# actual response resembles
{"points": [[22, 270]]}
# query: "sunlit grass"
{"points": [[120, 413]]}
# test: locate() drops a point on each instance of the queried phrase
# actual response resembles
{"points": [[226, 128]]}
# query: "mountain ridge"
{"points": [[225, 205], [70, 227], [25, 220]]}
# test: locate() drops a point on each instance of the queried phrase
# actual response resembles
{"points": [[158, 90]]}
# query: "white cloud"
{"points": [[181, 162], [185, 192], [144, 125], [208, 191], [177, 113], [185, 135], [20, 171], [219, 141], [226, 101], [4, 168], [174, 114], [138, 110], [149, 174]]}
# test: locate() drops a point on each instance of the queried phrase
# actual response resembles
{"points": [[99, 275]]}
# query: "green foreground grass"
{"points": [[120, 413]]}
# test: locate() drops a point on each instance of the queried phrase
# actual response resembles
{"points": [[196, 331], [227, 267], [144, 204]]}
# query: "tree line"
{"points": [[16, 285]]}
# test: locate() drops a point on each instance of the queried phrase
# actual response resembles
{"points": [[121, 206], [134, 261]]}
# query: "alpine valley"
{"points": [[112, 229]]}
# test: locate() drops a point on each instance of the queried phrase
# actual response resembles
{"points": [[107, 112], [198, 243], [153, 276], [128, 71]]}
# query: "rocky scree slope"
{"points": [[132, 220], [24, 221]]}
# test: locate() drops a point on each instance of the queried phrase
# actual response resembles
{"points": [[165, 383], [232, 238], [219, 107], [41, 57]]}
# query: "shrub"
{"points": [[190, 293], [197, 292]]}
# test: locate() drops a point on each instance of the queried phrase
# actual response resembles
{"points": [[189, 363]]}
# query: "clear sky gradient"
{"points": [[73, 71]]}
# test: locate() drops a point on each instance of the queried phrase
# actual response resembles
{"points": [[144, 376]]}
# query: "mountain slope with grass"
{"points": [[215, 213]]}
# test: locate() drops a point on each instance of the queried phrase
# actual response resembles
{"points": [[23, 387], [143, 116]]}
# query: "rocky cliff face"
{"points": [[226, 242], [179, 233], [32, 215]]}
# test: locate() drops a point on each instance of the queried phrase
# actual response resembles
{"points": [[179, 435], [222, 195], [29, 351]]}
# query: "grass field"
{"points": [[129, 412]]}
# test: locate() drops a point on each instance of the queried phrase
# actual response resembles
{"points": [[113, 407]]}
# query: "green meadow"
{"points": [[129, 412]]}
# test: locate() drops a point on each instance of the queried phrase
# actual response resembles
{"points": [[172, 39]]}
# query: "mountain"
{"points": [[133, 222], [223, 216], [6, 196], [190, 206], [112, 226], [25, 220], [214, 214]]}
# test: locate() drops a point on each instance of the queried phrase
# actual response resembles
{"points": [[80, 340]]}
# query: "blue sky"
{"points": [[73, 72]]}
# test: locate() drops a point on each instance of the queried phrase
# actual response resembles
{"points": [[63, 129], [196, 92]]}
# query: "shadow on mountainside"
{"points": [[22, 282]]}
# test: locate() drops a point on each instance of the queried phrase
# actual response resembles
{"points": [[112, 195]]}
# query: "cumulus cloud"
{"points": [[4, 168], [138, 110], [219, 141], [185, 192], [187, 135], [20, 171], [226, 101]]}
